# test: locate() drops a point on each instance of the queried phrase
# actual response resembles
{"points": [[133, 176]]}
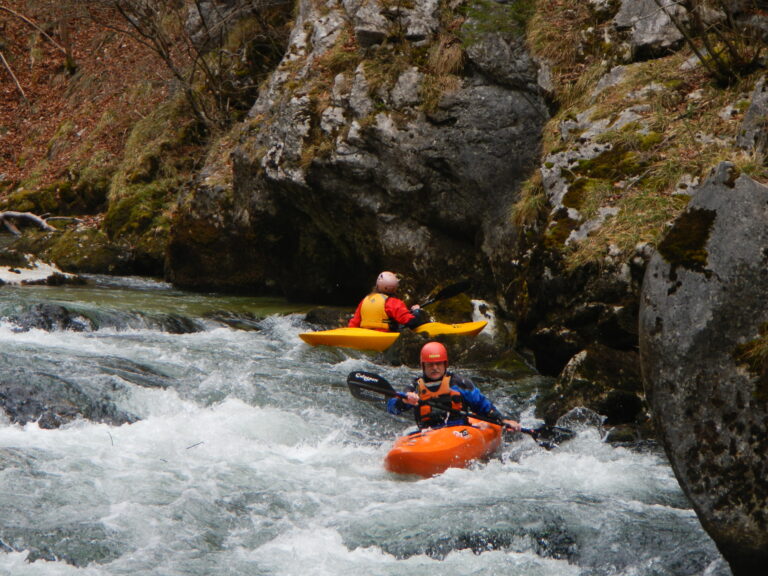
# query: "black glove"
{"points": [[417, 320], [496, 416]]}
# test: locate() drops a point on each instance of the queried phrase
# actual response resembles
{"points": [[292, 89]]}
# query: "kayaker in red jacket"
{"points": [[458, 394], [381, 310]]}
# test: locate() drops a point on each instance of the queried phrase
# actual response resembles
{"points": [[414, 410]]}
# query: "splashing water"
{"points": [[250, 457]]}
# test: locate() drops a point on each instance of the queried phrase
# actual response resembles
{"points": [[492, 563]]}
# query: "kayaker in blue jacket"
{"points": [[455, 393]]}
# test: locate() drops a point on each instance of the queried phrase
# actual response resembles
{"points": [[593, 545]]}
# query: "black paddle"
{"points": [[448, 292], [370, 387]]}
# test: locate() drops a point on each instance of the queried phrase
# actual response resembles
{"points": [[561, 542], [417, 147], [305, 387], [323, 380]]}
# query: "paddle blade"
{"points": [[549, 436], [369, 386], [449, 291]]}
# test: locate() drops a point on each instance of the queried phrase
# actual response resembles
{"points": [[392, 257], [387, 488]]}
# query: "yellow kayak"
{"points": [[359, 338], [364, 339], [462, 329]]}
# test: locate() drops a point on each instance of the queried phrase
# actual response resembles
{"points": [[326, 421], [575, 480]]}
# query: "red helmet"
{"points": [[434, 352], [387, 283]]}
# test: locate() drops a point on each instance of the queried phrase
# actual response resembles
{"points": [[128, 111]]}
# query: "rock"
{"points": [[341, 173], [599, 378], [651, 31], [51, 317], [27, 269], [370, 25], [52, 401], [406, 90], [326, 318], [581, 418], [704, 296], [753, 132], [503, 59]]}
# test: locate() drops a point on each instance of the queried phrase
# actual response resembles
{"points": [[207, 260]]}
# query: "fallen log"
{"points": [[7, 219]]}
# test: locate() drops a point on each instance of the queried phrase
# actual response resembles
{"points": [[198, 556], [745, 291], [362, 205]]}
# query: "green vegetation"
{"points": [[487, 16], [160, 157], [685, 243]]}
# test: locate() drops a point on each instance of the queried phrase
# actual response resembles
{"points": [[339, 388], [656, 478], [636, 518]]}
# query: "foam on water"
{"points": [[251, 457]]}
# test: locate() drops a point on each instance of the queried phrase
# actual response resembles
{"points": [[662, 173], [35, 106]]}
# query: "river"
{"points": [[249, 456]]}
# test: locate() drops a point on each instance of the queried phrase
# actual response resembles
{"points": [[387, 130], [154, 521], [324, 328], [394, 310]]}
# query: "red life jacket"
{"points": [[372, 313], [430, 416]]}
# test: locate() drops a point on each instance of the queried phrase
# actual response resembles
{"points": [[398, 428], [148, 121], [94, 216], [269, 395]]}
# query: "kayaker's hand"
{"points": [[512, 425], [411, 398], [415, 307]]}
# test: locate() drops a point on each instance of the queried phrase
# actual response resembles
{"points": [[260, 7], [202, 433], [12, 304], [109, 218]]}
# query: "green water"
{"points": [[151, 297]]}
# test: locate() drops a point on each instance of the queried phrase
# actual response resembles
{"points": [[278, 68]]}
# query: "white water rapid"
{"points": [[250, 457]]}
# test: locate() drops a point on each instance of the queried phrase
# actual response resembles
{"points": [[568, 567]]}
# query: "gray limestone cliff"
{"points": [[366, 151]]}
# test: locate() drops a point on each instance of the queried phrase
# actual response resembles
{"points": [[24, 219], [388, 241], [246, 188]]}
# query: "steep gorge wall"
{"points": [[362, 154]]}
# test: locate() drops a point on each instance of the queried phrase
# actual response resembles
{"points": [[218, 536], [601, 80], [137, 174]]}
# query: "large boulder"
{"points": [[704, 306]]}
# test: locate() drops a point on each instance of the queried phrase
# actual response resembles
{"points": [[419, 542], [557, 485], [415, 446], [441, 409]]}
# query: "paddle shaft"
{"points": [[359, 382], [448, 292], [391, 392]]}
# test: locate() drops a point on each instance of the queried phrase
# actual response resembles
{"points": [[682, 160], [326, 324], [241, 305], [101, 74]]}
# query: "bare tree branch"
{"points": [[15, 80], [7, 218], [35, 26], [725, 47], [189, 37]]}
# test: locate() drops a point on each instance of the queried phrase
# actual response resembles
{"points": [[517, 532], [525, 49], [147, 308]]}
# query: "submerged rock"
{"points": [[52, 401]]}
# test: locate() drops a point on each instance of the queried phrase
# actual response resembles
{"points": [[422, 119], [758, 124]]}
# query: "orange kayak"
{"points": [[431, 452]]}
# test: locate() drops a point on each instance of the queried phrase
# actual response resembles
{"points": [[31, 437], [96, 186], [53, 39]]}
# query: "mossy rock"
{"points": [[37, 201], [613, 164], [452, 310], [80, 193], [685, 244], [13, 258], [90, 251], [140, 209], [753, 355]]}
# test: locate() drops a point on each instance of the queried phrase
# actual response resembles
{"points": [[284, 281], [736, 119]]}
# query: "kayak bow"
{"points": [[432, 329]]}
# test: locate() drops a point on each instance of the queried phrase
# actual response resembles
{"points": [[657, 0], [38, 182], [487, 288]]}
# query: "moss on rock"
{"points": [[685, 244]]}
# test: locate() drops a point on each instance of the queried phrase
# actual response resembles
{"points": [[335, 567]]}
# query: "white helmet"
{"points": [[387, 283]]}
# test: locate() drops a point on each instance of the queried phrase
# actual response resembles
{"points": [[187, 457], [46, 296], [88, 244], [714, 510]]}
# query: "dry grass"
{"points": [[435, 87], [555, 36], [532, 202], [683, 132], [446, 56]]}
